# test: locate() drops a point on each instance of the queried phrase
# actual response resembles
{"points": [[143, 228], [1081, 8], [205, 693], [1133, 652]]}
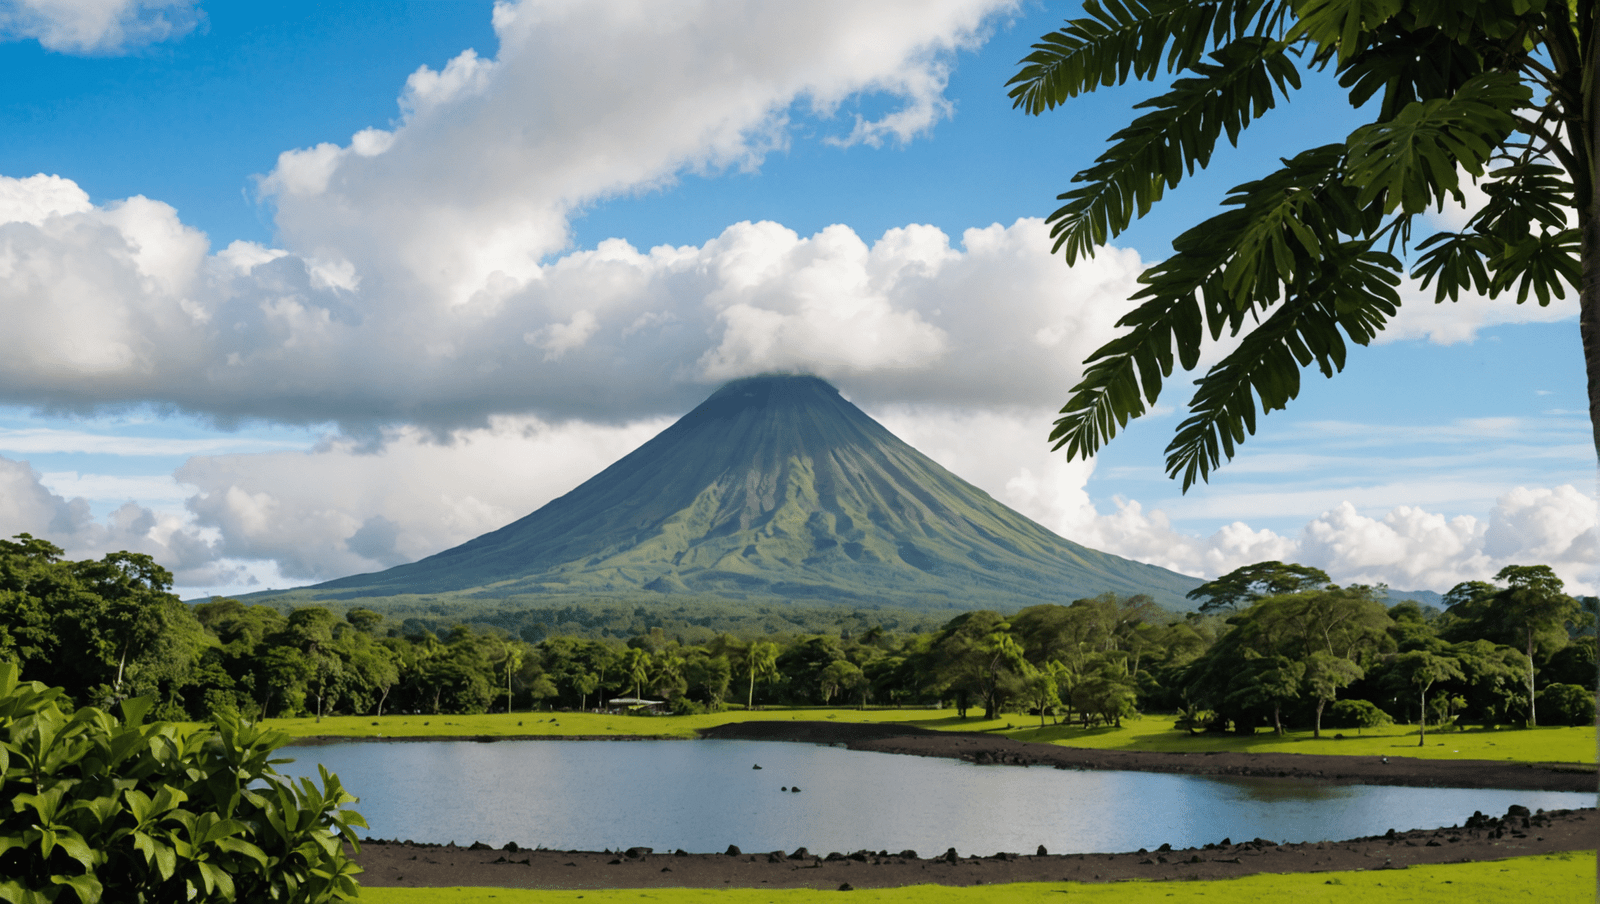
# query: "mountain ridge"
{"points": [[775, 486]]}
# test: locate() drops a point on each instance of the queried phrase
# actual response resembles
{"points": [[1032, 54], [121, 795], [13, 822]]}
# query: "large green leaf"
{"points": [[1241, 83]]}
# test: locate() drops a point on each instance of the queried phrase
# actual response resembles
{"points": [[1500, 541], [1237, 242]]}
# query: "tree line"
{"points": [[1271, 645]]}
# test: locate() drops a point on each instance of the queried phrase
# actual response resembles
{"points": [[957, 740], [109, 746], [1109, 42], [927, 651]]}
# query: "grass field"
{"points": [[1557, 877], [1568, 745]]}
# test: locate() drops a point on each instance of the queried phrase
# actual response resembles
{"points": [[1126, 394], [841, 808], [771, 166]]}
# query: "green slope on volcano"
{"points": [[775, 487]]}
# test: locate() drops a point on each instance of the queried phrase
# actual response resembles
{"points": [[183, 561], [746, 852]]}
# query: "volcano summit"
{"points": [[774, 487]]}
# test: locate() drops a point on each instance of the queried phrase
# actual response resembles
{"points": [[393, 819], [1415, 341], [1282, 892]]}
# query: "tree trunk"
{"points": [[121, 662], [1422, 719], [1316, 727], [1533, 717], [381, 699]]}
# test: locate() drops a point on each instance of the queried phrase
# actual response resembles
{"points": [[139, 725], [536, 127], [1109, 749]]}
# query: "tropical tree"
{"points": [[1533, 607], [636, 665], [1243, 586], [1423, 670], [1303, 259], [1325, 674], [760, 662]]}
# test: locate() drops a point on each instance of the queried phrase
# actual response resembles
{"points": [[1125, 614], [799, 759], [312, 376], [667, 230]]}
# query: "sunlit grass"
{"points": [[1556, 877], [1155, 733], [1553, 745]]}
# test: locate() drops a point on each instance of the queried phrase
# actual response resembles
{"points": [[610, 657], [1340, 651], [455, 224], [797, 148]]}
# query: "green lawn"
{"points": [[1569, 745], [1557, 877]]}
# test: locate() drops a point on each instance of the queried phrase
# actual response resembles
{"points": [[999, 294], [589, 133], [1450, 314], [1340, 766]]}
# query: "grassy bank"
{"points": [[1557, 877], [1155, 733]]}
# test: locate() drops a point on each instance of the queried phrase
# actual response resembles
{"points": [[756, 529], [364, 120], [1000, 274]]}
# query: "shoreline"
{"points": [[397, 863], [404, 864], [989, 749]]}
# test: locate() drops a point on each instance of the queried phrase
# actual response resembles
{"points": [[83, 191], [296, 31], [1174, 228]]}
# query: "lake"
{"points": [[702, 796]]}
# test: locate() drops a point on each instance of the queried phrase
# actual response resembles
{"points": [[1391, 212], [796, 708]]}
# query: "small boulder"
{"points": [[634, 853], [800, 853], [1041, 852], [733, 850]]}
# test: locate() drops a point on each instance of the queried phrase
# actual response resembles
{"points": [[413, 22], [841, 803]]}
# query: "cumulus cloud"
{"points": [[345, 508], [122, 303], [585, 101], [1408, 548], [97, 26], [28, 506]]}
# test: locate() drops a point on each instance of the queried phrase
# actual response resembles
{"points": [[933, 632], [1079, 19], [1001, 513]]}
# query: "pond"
{"points": [[702, 796]]}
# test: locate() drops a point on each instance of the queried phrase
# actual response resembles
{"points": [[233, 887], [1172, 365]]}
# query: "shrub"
{"points": [[1565, 704], [127, 810], [683, 706], [1357, 714]]}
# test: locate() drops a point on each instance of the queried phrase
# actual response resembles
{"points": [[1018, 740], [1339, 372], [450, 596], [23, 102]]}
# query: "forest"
{"points": [[1270, 646]]}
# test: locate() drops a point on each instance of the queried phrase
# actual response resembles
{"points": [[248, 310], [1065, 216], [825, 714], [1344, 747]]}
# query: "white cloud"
{"points": [[98, 26], [28, 506], [1408, 548], [585, 101], [1451, 322], [121, 304], [344, 509]]}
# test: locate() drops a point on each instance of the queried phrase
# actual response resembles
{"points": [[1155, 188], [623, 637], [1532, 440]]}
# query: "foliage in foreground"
{"points": [[1555, 877], [104, 809], [1301, 262]]}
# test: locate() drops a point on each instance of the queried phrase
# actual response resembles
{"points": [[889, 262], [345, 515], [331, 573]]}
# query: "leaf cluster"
{"points": [[109, 809], [1301, 262]]}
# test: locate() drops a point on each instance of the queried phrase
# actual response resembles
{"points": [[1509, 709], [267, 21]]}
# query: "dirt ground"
{"points": [[1489, 837]]}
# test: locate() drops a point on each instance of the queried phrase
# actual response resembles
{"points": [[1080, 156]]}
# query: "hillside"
{"points": [[773, 488]]}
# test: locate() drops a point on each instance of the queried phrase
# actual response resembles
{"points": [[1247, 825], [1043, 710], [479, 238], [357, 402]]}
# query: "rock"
{"points": [[777, 857], [833, 857], [511, 846], [908, 854], [951, 856], [1164, 847], [1041, 852], [860, 856], [1517, 810], [845, 886], [795, 789], [479, 846], [634, 853], [733, 850], [800, 854], [680, 852]]}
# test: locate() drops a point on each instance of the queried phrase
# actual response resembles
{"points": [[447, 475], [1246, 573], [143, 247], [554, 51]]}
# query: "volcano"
{"points": [[775, 487]]}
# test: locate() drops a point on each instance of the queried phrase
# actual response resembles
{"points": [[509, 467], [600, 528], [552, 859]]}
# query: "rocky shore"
{"points": [[1517, 833]]}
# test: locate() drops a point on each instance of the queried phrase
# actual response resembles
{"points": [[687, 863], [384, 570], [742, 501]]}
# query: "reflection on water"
{"points": [[705, 795], [1269, 789]]}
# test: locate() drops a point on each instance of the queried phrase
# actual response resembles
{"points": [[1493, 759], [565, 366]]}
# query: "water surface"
{"points": [[702, 796]]}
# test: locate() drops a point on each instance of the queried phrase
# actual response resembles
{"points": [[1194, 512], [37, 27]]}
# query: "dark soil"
{"points": [[1518, 833]]}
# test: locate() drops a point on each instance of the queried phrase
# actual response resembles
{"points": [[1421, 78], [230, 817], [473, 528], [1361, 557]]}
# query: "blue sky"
{"points": [[317, 291]]}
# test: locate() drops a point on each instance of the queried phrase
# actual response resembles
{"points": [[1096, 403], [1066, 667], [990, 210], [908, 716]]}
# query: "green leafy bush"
{"points": [[1565, 704], [1356, 714], [124, 810]]}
